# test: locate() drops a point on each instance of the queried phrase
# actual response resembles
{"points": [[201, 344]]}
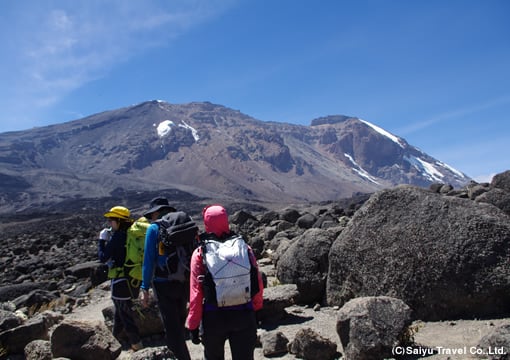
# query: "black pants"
{"points": [[124, 319], [238, 326], [172, 306]]}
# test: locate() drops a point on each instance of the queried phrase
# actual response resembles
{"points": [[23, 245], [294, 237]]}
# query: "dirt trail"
{"points": [[454, 340]]}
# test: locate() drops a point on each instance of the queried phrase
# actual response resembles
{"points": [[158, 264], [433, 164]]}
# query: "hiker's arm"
{"points": [[106, 249], [196, 293], [150, 256], [258, 299]]}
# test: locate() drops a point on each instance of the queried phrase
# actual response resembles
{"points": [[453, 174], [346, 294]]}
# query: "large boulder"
{"points": [[38, 327], [8, 320], [310, 345], [444, 256], [497, 197], [370, 327], [276, 299], [501, 181], [84, 340], [35, 299], [96, 271], [38, 350], [306, 221], [153, 353], [274, 343], [496, 344], [291, 215], [10, 292], [305, 263]]}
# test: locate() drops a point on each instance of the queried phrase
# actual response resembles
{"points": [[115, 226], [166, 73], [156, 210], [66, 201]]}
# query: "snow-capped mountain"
{"points": [[211, 151]]}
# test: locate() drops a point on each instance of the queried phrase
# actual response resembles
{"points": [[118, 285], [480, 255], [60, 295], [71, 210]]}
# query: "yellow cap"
{"points": [[118, 212]]}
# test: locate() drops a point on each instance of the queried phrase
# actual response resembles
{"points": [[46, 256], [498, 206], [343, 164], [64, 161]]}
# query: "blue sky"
{"points": [[435, 72]]}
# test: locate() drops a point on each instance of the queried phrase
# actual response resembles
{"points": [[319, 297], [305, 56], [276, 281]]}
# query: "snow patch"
{"points": [[381, 131], [164, 128], [427, 169], [194, 131], [361, 172], [455, 171]]}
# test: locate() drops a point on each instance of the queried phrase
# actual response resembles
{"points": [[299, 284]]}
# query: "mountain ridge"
{"points": [[210, 151]]}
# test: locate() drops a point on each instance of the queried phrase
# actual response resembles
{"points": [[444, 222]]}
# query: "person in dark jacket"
{"points": [[112, 250], [236, 323], [171, 294]]}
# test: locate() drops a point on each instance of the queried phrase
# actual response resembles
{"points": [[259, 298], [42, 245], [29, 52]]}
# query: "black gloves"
{"points": [[195, 336]]}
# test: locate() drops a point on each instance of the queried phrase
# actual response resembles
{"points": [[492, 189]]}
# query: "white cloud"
{"points": [[457, 113], [64, 45]]}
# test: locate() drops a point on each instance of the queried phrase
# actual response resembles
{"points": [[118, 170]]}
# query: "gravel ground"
{"points": [[444, 336]]}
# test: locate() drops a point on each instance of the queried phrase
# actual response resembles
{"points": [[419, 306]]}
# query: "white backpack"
{"points": [[229, 265]]}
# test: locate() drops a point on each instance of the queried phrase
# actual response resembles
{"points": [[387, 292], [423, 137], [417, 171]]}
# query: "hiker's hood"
{"points": [[216, 220]]}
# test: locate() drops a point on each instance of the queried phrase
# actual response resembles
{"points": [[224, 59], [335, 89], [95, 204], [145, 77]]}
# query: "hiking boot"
{"points": [[137, 346]]}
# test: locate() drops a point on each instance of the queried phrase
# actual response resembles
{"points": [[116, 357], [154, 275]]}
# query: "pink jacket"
{"points": [[197, 293]]}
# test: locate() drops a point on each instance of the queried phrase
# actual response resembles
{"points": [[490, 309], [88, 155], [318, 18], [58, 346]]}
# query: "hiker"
{"points": [[170, 294], [112, 250], [214, 316]]}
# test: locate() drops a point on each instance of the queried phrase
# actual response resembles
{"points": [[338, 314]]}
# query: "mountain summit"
{"points": [[211, 151]]}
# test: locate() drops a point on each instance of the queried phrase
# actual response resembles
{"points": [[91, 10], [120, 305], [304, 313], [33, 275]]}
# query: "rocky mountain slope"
{"points": [[441, 251], [206, 150]]}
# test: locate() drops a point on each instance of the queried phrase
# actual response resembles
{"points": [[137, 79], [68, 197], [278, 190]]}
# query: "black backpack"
{"points": [[178, 239]]}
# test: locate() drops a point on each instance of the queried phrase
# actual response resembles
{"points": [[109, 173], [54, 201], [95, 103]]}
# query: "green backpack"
{"points": [[135, 243]]}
